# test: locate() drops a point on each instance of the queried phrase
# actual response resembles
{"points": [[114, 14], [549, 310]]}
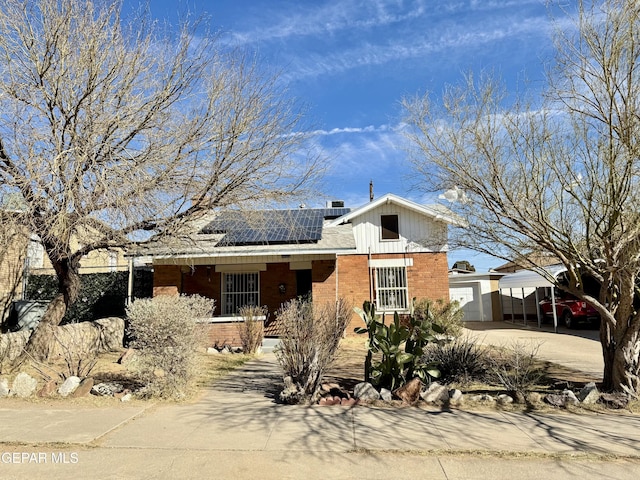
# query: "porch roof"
{"points": [[334, 240]]}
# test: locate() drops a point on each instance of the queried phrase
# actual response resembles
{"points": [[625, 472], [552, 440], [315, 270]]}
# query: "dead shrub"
{"points": [[251, 329], [516, 368], [165, 333], [308, 345]]}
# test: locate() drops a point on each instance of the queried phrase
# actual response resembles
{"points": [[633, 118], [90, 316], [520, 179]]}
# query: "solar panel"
{"points": [[272, 226]]}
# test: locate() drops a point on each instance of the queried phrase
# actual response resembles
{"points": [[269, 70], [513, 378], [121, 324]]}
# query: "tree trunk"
{"points": [[621, 361], [42, 339]]}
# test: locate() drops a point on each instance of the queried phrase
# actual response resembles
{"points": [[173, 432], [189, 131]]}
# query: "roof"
{"points": [[531, 278], [270, 227], [435, 212], [528, 261], [275, 232]]}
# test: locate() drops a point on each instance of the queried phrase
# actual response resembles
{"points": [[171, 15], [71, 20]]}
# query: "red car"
{"points": [[570, 310]]}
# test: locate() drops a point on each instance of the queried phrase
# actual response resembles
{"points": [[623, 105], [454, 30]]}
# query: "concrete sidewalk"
{"points": [[238, 431]]}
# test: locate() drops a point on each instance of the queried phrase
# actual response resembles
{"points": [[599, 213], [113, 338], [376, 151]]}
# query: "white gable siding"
{"points": [[418, 232]]}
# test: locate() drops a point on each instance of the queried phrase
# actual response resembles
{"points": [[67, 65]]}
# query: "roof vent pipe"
{"points": [[371, 190]]}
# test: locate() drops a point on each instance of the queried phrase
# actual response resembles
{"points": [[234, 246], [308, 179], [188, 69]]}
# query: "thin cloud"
{"points": [[331, 19], [367, 54]]}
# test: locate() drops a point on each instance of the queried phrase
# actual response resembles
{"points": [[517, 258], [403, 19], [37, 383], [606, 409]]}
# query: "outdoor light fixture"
{"points": [[283, 288]]}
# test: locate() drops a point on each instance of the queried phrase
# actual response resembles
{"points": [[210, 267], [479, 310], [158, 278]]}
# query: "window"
{"points": [[389, 225], [238, 290], [113, 261], [391, 288], [35, 254]]}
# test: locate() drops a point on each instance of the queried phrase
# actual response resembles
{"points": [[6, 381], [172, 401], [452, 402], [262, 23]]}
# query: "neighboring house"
{"points": [[387, 251], [97, 261], [477, 293], [528, 261], [22, 254], [13, 246]]}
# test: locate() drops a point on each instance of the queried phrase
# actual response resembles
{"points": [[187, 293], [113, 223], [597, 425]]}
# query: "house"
{"points": [[22, 255], [477, 293], [387, 251]]}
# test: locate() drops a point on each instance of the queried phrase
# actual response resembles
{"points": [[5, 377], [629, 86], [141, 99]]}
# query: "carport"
{"points": [[524, 279]]}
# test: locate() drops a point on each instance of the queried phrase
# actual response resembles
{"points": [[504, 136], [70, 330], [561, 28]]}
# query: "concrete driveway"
{"points": [[576, 349]]}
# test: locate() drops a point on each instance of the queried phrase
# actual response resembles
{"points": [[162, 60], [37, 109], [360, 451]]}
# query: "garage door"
{"points": [[469, 298]]}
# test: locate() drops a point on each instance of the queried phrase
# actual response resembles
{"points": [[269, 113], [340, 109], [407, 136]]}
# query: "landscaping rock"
{"points": [[212, 351], [126, 397], [456, 397], [435, 393], [482, 398], [386, 395], [567, 397], [4, 387], [613, 400], [504, 399], [570, 398], [84, 388], [48, 389], [111, 333], [589, 394], [107, 389], [348, 402], [24, 385], [410, 392], [123, 394], [533, 398], [69, 386], [365, 391], [127, 356]]}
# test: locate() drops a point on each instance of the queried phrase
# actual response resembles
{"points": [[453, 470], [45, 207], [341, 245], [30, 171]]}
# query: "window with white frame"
{"points": [[391, 288], [238, 290], [35, 253]]}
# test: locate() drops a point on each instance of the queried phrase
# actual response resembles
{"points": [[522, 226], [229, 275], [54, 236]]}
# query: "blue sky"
{"points": [[352, 61]]}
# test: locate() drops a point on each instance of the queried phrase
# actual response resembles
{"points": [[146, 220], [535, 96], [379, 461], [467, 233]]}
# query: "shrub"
{"points": [[460, 361], [401, 346], [516, 368], [308, 345], [102, 294], [165, 332], [447, 315], [251, 329]]}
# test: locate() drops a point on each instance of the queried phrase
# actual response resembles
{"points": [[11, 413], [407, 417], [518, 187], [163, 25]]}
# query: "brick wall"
{"points": [[323, 279], [427, 278], [167, 280], [221, 334]]}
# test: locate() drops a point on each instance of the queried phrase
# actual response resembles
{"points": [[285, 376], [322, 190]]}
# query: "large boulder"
{"points": [[111, 333]]}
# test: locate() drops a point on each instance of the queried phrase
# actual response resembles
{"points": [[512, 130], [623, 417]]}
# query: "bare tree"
{"points": [[560, 176], [116, 130]]}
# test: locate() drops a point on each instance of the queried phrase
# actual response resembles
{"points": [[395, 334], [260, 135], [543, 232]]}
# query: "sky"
{"points": [[351, 62]]}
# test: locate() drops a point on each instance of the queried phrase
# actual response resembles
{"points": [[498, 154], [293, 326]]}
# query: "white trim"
{"points": [[227, 319], [208, 256], [391, 262], [390, 198]]}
